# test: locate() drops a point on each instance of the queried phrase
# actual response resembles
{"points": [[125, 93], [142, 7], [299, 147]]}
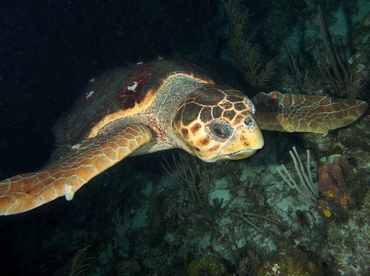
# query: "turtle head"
{"points": [[217, 123]]}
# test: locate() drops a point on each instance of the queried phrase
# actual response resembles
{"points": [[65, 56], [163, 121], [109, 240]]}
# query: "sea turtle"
{"points": [[161, 105]]}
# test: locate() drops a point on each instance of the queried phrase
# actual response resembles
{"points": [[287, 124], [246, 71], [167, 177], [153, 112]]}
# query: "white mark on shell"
{"points": [[76, 146], [89, 94], [132, 86]]}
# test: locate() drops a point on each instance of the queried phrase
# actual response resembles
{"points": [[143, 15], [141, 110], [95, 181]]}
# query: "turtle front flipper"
{"points": [[66, 175], [305, 113]]}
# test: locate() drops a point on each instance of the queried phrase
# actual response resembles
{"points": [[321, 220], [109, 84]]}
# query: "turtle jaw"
{"points": [[240, 154], [250, 141]]}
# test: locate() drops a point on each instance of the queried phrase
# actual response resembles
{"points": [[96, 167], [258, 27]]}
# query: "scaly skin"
{"points": [[305, 113], [70, 172]]}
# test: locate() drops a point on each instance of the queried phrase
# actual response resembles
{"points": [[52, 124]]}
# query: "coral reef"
{"points": [[331, 184], [290, 261], [347, 248], [209, 265]]}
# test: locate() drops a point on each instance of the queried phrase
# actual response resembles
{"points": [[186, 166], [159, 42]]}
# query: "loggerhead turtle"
{"points": [[162, 105]]}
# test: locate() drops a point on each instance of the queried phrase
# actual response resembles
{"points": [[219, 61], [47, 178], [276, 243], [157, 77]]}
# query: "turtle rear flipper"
{"points": [[305, 113], [66, 175]]}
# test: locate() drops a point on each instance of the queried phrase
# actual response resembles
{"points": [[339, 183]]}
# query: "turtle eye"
{"points": [[221, 129]]}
